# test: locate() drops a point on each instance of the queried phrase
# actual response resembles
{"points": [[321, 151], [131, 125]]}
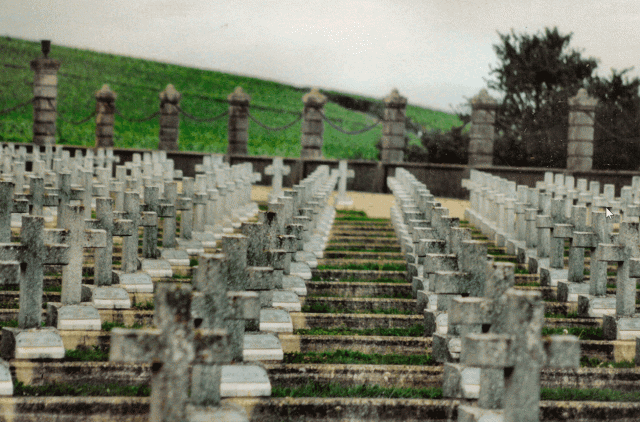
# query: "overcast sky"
{"points": [[437, 53]]}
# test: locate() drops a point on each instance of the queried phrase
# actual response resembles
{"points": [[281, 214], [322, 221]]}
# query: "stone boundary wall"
{"points": [[445, 180]]}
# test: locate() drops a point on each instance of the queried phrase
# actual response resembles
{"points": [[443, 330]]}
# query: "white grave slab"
{"points": [[156, 268], [244, 381], [275, 321], [301, 270], [262, 346], [295, 284], [110, 297], [176, 257], [287, 300], [36, 343], [134, 282], [76, 317]]}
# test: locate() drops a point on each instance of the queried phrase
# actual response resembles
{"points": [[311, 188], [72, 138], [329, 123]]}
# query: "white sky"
{"points": [[436, 52]]}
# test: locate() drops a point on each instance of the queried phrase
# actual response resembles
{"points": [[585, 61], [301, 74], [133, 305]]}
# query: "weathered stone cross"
{"points": [[277, 169]]}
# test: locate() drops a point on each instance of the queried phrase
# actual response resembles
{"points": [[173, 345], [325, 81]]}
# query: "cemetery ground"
{"points": [[358, 348]]}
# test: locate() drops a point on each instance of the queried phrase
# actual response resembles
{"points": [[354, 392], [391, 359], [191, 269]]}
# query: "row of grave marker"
{"points": [[487, 333]]}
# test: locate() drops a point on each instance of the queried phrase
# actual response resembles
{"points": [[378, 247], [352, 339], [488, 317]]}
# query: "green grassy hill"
{"points": [[137, 84]]}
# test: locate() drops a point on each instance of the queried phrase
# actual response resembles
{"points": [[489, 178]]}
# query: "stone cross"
{"points": [[344, 174], [103, 273], [150, 235], [277, 170], [624, 325], [214, 306], [175, 347], [8, 205], [77, 237], [32, 253], [520, 351]]}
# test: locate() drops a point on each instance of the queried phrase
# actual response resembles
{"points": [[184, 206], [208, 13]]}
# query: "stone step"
{"points": [[334, 238], [355, 289], [362, 255], [342, 225], [360, 304], [130, 409], [365, 246], [368, 234], [357, 274], [375, 262]]}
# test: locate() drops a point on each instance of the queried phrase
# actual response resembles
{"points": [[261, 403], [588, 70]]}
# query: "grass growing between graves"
{"points": [[573, 314], [587, 333], [138, 82], [520, 270], [587, 362], [316, 389], [358, 249], [144, 306], [367, 267], [108, 325], [357, 280], [87, 354], [589, 394], [81, 390], [365, 219], [416, 330], [395, 295], [321, 308], [347, 357]]}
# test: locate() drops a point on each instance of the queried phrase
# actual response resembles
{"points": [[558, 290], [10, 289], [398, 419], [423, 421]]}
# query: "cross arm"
{"points": [[95, 239], [610, 252], [487, 350], [123, 227], [9, 272], [77, 193], [184, 204], [56, 254], [166, 210], [562, 352], [148, 219], [211, 346], [584, 240], [244, 305], [563, 231], [130, 345], [20, 206]]}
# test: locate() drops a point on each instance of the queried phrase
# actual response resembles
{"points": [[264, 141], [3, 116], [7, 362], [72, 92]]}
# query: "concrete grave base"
{"points": [[422, 301], [301, 270], [157, 268], [207, 239], [475, 414], [308, 257], [35, 343], [73, 317], [275, 321], [287, 300], [295, 284], [435, 322], [262, 346], [6, 383], [446, 348], [569, 292], [176, 257], [225, 412], [620, 328], [551, 276], [106, 297], [244, 381], [134, 282], [192, 247], [596, 307], [461, 381]]}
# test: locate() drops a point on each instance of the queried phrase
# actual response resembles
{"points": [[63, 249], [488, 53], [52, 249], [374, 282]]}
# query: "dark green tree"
{"points": [[617, 125], [536, 75]]}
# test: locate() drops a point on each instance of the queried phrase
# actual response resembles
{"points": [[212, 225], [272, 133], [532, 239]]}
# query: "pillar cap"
{"points": [[314, 98], [395, 99], [483, 100], [238, 96], [105, 94], [583, 101], [170, 95]]}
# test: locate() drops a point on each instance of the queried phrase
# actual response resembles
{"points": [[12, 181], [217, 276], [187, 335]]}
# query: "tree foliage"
{"points": [[537, 73]]}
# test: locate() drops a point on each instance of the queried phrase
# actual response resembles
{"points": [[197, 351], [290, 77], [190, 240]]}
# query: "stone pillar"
{"points": [[105, 111], [580, 138], [169, 119], [392, 144], [483, 116], [45, 93], [312, 124], [238, 128]]}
